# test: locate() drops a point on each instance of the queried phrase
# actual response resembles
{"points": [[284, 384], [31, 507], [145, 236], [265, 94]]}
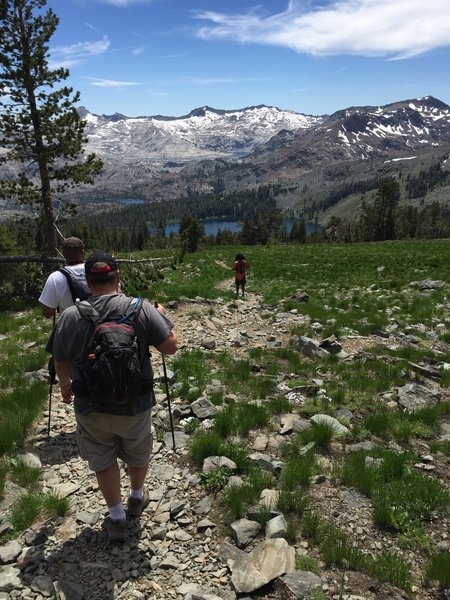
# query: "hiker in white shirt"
{"points": [[56, 294]]}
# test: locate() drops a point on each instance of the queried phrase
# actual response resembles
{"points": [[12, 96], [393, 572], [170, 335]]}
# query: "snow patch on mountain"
{"points": [[204, 133]]}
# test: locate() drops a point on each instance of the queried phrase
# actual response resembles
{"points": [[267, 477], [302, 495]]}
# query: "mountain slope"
{"points": [[203, 133], [206, 150]]}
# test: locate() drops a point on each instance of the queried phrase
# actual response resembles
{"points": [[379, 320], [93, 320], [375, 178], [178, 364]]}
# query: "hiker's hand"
{"points": [[160, 308], [66, 392]]}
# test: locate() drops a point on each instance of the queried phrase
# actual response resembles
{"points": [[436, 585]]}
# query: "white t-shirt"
{"points": [[56, 290]]}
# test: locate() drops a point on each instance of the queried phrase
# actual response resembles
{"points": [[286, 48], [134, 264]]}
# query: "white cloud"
{"points": [[75, 54], [138, 51], [387, 28], [93, 27], [124, 3], [111, 83], [218, 80]]}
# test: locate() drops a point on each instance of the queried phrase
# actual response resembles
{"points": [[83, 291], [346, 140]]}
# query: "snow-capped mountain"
{"points": [[203, 133], [210, 150], [159, 157]]}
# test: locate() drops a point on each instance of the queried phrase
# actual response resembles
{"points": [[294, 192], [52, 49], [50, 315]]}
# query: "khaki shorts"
{"points": [[103, 438]]}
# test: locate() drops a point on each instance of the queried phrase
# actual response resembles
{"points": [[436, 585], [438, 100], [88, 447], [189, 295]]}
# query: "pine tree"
{"points": [[192, 233], [39, 123]]}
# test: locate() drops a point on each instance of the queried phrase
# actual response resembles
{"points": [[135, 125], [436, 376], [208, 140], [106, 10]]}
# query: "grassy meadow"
{"points": [[354, 290]]}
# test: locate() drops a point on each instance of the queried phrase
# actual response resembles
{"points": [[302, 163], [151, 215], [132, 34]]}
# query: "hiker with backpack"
{"points": [[103, 363], [65, 285], [240, 266]]}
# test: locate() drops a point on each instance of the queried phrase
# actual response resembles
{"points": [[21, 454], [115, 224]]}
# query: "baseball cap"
{"points": [[100, 262], [72, 242]]}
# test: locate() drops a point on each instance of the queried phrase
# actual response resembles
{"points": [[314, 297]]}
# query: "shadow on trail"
{"points": [[85, 565], [56, 449]]}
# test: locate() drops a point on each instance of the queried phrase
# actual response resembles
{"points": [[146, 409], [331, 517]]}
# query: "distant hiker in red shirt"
{"points": [[240, 266]]}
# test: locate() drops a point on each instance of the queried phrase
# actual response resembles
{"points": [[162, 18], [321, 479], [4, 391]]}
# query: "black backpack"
{"points": [[242, 266], [111, 370], [77, 285]]}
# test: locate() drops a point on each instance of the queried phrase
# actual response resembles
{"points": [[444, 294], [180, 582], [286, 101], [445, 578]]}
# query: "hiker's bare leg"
{"points": [[109, 484], [137, 476]]}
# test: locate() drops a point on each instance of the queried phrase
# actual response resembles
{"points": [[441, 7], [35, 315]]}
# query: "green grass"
{"points": [[215, 480], [390, 567], [192, 371], [413, 498], [236, 499], [336, 550], [367, 476], [321, 434], [293, 502], [403, 426], [442, 447], [24, 475], [349, 295], [28, 507], [204, 444], [18, 410], [438, 569], [297, 473], [210, 443], [401, 496], [307, 563]]}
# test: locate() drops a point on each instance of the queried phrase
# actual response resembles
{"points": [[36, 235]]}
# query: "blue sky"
{"points": [[149, 57]]}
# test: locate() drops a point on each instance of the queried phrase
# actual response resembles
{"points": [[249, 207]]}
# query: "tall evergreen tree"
{"points": [[192, 233], [39, 123], [379, 217]]}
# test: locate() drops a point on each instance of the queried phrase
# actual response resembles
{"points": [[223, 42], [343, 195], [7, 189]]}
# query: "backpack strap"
{"points": [[133, 310], [68, 276], [88, 312], [91, 314]]}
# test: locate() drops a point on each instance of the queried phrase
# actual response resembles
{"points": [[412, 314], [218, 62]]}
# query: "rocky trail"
{"points": [[179, 547]]}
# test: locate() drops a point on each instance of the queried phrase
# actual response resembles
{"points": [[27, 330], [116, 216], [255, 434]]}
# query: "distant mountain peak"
{"points": [[267, 143]]}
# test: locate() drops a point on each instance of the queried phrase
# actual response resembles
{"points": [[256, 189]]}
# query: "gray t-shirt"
{"points": [[73, 334]]}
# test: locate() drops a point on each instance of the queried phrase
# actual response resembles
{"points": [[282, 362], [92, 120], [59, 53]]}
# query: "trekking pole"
{"points": [[49, 406], [166, 383], [51, 384]]}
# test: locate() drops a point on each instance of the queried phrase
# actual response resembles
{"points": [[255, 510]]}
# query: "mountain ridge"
{"points": [[210, 150]]}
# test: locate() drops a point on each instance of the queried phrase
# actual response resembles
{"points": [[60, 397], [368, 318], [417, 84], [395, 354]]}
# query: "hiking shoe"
{"points": [[117, 530], [136, 506]]}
